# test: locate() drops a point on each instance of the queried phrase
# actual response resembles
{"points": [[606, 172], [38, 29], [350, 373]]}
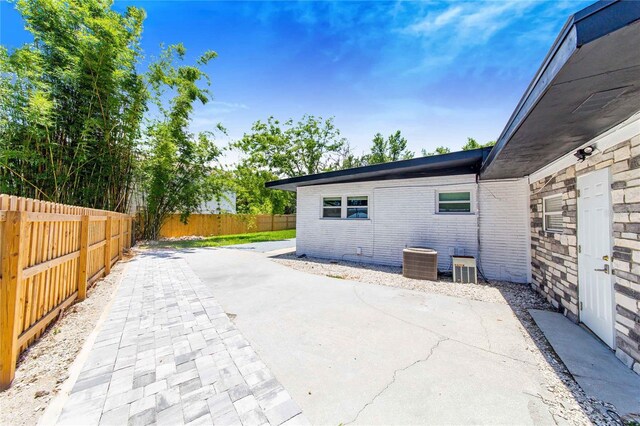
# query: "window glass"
{"points": [[454, 196], [454, 202], [331, 212], [332, 207], [358, 207], [553, 204], [332, 202], [552, 211], [554, 222], [455, 207], [357, 213], [357, 201]]}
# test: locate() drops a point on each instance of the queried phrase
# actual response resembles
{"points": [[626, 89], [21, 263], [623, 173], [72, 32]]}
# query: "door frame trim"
{"points": [[612, 343]]}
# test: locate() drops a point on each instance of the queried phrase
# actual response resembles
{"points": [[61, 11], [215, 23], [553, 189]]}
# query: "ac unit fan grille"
{"points": [[465, 270], [420, 263]]}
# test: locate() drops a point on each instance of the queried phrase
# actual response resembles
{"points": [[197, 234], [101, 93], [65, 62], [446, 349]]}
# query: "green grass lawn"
{"points": [[227, 240]]}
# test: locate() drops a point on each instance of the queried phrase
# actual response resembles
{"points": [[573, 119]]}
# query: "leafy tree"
{"points": [[393, 148], [312, 145], [177, 166], [348, 159], [252, 197], [438, 151], [473, 144], [71, 104], [274, 150]]}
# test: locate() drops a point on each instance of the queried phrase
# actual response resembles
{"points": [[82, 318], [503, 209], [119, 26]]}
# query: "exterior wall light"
{"points": [[583, 153]]}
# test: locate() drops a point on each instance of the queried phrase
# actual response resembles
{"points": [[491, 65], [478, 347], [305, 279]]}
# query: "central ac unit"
{"points": [[420, 263], [464, 269]]}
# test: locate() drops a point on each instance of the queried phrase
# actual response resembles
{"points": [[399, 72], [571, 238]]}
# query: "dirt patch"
{"points": [[566, 400], [185, 238], [44, 366]]}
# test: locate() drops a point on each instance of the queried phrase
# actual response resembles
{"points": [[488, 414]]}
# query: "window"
{"points": [[454, 202], [552, 212], [357, 207], [332, 207], [345, 207]]}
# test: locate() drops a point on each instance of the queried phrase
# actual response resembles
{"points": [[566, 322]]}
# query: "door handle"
{"points": [[605, 269]]}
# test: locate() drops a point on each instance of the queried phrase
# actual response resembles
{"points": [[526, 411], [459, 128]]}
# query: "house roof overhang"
{"points": [[588, 83], [455, 163]]}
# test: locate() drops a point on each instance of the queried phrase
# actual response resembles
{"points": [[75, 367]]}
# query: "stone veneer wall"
{"points": [[554, 256]]}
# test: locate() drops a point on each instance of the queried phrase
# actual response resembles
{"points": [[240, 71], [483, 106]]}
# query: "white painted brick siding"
{"points": [[402, 213], [504, 230]]}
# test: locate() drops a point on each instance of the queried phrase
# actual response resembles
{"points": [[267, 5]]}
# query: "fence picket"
{"points": [[46, 251], [107, 247], [12, 247], [206, 225], [84, 258]]}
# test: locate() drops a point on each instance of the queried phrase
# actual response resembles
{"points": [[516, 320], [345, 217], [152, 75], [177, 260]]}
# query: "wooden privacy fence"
{"points": [[206, 225], [51, 254]]}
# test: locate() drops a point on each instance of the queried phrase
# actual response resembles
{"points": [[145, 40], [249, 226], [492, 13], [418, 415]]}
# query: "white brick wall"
{"points": [[402, 213], [504, 230]]}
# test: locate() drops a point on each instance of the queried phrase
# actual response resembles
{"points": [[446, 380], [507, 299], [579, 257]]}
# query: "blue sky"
{"points": [[438, 71]]}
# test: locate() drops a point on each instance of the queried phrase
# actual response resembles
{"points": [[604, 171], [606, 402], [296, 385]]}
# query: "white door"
{"points": [[595, 286]]}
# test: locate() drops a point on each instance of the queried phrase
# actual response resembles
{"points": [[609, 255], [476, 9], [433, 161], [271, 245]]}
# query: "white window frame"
{"points": [[323, 207], [545, 213], [346, 206], [343, 206], [456, 191]]}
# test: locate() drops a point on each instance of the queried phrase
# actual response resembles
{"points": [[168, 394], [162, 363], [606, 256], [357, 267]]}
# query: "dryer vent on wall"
{"points": [[420, 263], [464, 269]]}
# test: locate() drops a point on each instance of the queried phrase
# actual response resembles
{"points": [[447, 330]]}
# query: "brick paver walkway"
{"points": [[169, 355]]}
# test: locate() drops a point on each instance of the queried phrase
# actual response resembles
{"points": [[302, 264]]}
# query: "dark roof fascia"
{"points": [[588, 24], [437, 165], [604, 17]]}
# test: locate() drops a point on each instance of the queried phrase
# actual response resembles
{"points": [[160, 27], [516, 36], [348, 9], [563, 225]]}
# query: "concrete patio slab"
{"points": [[169, 354], [266, 246], [594, 366], [358, 353]]}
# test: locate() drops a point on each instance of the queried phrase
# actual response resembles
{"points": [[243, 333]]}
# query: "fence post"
{"points": [[107, 248], [84, 258], [10, 291], [272, 219], [120, 238]]}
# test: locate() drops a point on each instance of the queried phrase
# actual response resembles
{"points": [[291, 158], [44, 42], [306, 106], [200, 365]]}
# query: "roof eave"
{"points": [[454, 163], [587, 25], [564, 45]]}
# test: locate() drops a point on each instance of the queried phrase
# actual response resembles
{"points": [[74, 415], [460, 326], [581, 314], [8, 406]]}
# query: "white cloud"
{"points": [[207, 117], [468, 30], [473, 22], [219, 107], [435, 21]]}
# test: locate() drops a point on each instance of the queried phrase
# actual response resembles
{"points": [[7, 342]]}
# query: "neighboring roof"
{"points": [[588, 83], [455, 163]]}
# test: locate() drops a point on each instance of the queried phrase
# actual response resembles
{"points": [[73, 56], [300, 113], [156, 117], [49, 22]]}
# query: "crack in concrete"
{"points": [[550, 405], [440, 334], [482, 324], [395, 375]]}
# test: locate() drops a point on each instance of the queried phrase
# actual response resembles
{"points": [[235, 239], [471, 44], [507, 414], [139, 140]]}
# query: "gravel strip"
{"points": [[569, 405], [43, 367]]}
